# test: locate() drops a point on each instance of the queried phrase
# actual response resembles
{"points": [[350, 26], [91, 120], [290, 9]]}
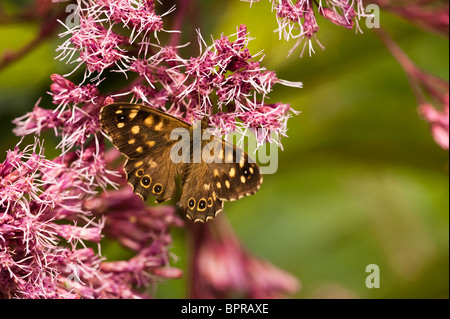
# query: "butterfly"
{"points": [[144, 135]]}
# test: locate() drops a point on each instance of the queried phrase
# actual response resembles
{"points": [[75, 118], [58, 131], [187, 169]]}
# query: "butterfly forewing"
{"points": [[138, 130], [142, 134]]}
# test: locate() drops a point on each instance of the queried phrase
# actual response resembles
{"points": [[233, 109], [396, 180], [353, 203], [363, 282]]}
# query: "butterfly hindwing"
{"points": [[199, 200], [147, 178], [230, 177]]}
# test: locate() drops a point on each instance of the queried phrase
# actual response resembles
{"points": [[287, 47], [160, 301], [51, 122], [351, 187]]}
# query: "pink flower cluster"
{"points": [[139, 16], [52, 212], [432, 92], [433, 15], [297, 18]]}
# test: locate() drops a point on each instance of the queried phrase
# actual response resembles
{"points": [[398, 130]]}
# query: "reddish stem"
{"points": [[416, 76], [47, 30]]}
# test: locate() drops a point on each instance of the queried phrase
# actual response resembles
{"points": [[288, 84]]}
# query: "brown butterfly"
{"points": [[143, 135]]}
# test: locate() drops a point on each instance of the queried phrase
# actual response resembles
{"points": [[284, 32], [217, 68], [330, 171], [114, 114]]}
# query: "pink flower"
{"points": [[224, 123], [431, 15], [225, 74], [431, 92], [31, 253], [222, 268], [263, 120], [229, 70], [49, 209], [130, 221], [345, 21], [139, 16], [439, 123], [65, 92], [37, 121], [297, 18], [98, 47]]}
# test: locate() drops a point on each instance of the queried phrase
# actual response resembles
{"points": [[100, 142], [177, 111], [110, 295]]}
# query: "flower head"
{"points": [[297, 18], [430, 15], [222, 268], [30, 237], [49, 211], [98, 47], [439, 123], [431, 92], [225, 83], [140, 16], [65, 92]]}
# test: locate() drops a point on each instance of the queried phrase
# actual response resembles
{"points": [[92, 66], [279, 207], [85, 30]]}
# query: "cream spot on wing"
{"points": [[232, 172], [227, 184], [135, 129], [251, 170], [206, 187], [229, 157], [139, 164], [219, 185], [119, 112], [120, 125], [160, 126], [242, 162], [131, 141], [149, 121], [133, 114], [150, 143], [243, 180], [152, 164], [216, 172], [139, 149]]}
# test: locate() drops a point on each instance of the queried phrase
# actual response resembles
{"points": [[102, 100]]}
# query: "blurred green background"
{"points": [[360, 180]]}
